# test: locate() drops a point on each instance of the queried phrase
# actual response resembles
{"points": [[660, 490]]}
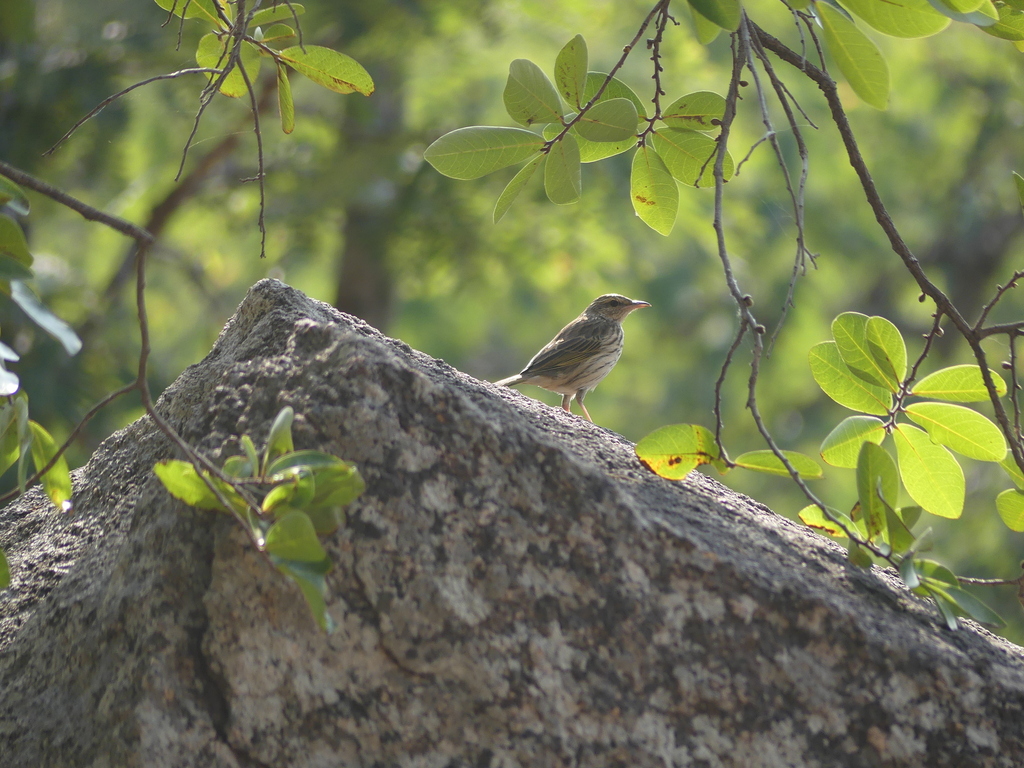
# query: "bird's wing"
{"points": [[563, 353]]}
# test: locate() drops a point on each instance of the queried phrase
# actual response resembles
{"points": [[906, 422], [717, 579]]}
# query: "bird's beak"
{"points": [[638, 305]]}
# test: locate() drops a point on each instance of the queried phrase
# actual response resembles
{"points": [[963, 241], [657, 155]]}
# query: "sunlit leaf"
{"points": [[571, 71], [469, 153], [183, 482], [1009, 464], [212, 53], [858, 58], [813, 517], [1010, 25], [612, 120], [959, 383], [887, 348], [514, 187], [331, 69], [690, 156], [838, 382], [766, 461], [877, 487], [562, 176], [529, 96], [931, 475], [842, 445], [13, 197], [285, 103], [250, 453], [293, 537], [591, 151], [695, 111], [653, 191], [982, 13], [673, 451], [10, 446], [724, 13], [44, 318], [283, 12], [274, 33], [850, 330], [193, 9], [1010, 504], [965, 431], [899, 18], [306, 459], [57, 480]]}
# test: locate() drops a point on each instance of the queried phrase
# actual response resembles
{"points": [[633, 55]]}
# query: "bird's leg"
{"points": [[579, 399], [565, 403]]}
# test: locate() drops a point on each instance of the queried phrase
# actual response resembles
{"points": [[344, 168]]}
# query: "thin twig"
{"points": [[99, 107], [1001, 291]]}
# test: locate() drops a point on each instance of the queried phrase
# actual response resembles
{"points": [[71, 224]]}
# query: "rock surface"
{"points": [[513, 589]]}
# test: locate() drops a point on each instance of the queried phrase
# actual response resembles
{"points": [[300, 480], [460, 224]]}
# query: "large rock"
{"points": [[513, 589]]}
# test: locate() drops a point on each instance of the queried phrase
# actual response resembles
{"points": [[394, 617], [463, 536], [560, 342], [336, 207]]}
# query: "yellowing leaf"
{"points": [[675, 450], [329, 68], [653, 191]]}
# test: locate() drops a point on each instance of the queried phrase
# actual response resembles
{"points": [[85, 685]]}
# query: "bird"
{"points": [[582, 354]]}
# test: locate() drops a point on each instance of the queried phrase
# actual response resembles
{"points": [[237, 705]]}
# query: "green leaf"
{"points": [[673, 451], [529, 96], [562, 178], [310, 579], [571, 71], [695, 111], [724, 13], [1018, 181], [945, 605], [707, 30], [237, 466], [331, 69], [909, 573], [514, 187], [1010, 504], [1010, 465], [5, 571], [13, 197], [975, 608], [653, 191], [858, 555], [11, 269], [211, 53], [274, 33], [858, 58], [900, 537], [850, 330], [959, 383], [888, 349], [13, 242], [285, 103], [878, 487], [616, 89], [293, 537], [909, 515], [24, 438], [936, 574], [44, 318], [9, 382], [305, 459], [279, 439], [10, 446], [250, 453], [982, 14], [965, 431], [193, 9], [612, 120], [469, 153], [1010, 25], [838, 382], [690, 156], [281, 13], [842, 445], [931, 475], [813, 517], [899, 18], [591, 151], [183, 482], [767, 462], [57, 481]]}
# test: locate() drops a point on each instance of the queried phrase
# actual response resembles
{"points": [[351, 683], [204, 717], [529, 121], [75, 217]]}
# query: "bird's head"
{"points": [[613, 306]]}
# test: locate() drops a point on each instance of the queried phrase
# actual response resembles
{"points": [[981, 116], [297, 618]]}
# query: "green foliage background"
{"points": [[349, 187]]}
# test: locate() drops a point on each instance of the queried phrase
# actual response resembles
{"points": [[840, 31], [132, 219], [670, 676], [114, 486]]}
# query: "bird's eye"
{"points": [[614, 303]]}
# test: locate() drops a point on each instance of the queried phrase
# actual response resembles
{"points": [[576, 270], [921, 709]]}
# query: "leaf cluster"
{"points": [[284, 498]]}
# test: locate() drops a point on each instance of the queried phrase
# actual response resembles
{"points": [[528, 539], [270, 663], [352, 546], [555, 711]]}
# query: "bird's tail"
{"points": [[511, 381]]}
